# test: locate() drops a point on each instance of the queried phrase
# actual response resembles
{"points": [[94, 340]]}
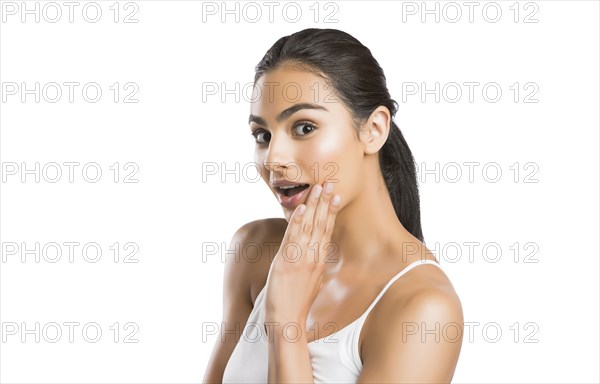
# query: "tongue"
{"points": [[293, 191]]}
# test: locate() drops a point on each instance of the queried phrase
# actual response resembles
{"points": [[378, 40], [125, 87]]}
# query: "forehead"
{"points": [[290, 84]]}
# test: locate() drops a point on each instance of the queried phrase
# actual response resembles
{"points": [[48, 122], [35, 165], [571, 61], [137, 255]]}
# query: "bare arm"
{"points": [[289, 358], [236, 310], [239, 274], [419, 343]]}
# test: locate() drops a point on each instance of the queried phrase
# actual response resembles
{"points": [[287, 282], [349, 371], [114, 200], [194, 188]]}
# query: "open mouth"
{"points": [[287, 191]]}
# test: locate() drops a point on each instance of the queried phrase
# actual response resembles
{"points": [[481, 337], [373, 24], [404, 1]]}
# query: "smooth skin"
{"points": [[396, 342]]}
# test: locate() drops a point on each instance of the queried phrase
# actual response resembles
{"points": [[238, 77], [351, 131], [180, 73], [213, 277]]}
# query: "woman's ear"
{"points": [[375, 131]]}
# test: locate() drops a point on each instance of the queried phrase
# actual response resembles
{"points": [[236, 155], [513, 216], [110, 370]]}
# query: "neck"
{"points": [[367, 229]]}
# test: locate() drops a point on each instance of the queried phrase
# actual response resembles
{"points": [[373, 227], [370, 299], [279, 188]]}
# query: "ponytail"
{"points": [[399, 172]]}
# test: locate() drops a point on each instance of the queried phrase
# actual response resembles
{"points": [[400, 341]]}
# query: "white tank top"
{"points": [[334, 358]]}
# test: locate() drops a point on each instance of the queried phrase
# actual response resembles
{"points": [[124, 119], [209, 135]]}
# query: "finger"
{"points": [[294, 230], [290, 241], [329, 252], [320, 216], [311, 204], [334, 208], [321, 213]]}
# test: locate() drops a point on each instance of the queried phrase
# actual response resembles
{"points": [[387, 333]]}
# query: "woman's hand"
{"points": [[295, 277]]}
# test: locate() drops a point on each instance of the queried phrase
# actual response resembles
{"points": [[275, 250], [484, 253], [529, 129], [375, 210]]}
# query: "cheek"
{"points": [[337, 159], [322, 161]]}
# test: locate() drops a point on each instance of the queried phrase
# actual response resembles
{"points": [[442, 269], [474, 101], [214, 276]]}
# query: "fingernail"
{"points": [[336, 200], [317, 190], [301, 209], [328, 187]]}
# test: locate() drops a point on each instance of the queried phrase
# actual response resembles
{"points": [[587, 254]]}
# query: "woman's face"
{"points": [[304, 135]]}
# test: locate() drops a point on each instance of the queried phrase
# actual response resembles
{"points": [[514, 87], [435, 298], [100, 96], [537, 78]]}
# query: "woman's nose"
{"points": [[279, 154]]}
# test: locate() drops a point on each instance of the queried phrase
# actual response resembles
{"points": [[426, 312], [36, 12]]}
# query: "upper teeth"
{"points": [[290, 186]]}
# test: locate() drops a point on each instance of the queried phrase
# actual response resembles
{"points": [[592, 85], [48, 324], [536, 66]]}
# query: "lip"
{"points": [[284, 183], [291, 202]]}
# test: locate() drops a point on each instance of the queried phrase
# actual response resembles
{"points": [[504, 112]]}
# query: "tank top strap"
{"points": [[358, 325], [396, 277]]}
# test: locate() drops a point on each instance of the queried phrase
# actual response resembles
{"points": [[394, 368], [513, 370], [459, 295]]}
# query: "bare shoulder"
{"points": [[248, 255], [421, 316], [422, 293], [256, 243]]}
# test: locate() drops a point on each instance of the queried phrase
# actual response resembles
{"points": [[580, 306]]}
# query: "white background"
{"points": [[176, 130]]}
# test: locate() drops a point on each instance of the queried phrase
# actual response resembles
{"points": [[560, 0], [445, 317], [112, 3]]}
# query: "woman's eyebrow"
{"points": [[286, 113]]}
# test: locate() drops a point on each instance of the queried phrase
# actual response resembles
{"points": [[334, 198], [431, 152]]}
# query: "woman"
{"points": [[351, 293]]}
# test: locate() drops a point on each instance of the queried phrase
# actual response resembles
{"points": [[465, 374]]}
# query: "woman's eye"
{"points": [[303, 128], [261, 136]]}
